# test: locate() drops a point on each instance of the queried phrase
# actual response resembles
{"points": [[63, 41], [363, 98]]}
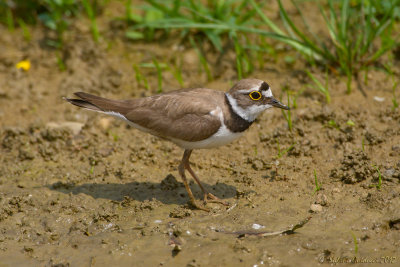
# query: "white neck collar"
{"points": [[249, 114]]}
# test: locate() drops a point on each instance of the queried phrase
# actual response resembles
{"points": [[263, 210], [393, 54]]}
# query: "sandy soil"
{"points": [[81, 189]]}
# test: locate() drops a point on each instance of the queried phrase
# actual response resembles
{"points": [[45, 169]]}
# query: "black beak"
{"points": [[276, 103]]}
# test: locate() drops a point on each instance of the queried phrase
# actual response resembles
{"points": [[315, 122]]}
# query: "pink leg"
{"points": [[208, 197], [181, 169]]}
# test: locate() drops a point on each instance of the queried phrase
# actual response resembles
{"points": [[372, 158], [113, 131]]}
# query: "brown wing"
{"points": [[181, 114]]}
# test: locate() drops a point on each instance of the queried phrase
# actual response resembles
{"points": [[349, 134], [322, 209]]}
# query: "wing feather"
{"points": [[181, 115]]}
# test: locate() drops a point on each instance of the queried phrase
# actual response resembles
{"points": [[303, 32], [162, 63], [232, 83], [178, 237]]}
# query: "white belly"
{"points": [[222, 137]]}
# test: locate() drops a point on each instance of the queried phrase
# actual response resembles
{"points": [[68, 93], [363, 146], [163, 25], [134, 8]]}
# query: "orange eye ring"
{"points": [[255, 95]]}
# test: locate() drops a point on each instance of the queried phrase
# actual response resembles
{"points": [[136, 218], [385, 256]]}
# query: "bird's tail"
{"points": [[99, 104]]}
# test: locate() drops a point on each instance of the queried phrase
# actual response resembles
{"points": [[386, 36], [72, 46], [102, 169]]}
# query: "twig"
{"points": [[290, 231]]}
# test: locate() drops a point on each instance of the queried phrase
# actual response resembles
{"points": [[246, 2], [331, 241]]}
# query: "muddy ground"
{"points": [[81, 189]]}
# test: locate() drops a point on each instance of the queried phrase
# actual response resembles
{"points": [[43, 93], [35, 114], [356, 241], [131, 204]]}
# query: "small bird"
{"points": [[191, 118]]}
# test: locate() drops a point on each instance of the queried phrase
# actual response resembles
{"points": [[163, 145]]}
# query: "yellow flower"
{"points": [[24, 64]]}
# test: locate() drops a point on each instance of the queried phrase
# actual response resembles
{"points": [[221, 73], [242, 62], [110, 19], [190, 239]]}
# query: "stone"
{"points": [[316, 208]]}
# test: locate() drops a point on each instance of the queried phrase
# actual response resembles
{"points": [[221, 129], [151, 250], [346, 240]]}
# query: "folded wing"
{"points": [[185, 114]]}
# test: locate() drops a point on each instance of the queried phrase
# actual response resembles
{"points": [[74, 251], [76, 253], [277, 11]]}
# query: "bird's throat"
{"points": [[233, 121]]}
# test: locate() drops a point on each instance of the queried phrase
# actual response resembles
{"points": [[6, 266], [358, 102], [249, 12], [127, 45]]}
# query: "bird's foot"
{"points": [[195, 204], [208, 197]]}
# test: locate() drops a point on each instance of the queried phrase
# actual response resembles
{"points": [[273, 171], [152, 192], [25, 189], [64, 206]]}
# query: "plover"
{"points": [[191, 118]]}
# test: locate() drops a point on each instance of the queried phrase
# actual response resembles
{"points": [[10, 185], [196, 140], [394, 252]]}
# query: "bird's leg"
{"points": [[181, 168], [208, 197]]}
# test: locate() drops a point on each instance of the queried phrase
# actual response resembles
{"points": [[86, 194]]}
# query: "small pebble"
{"points": [[379, 99], [105, 123], [257, 226], [316, 208]]}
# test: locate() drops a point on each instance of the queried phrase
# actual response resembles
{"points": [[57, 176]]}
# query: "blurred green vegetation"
{"points": [[357, 32], [53, 14], [197, 22], [360, 32]]}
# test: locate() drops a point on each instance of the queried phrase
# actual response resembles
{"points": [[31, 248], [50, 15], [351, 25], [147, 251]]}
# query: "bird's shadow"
{"points": [[168, 191]]}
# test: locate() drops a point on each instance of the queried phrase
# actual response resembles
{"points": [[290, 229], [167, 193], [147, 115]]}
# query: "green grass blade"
{"points": [[25, 30], [215, 39], [10, 20], [91, 15], [315, 36], [330, 23], [200, 16], [302, 36], [203, 60], [288, 114], [178, 75], [265, 19], [355, 243], [317, 186], [344, 18], [176, 7], [368, 29], [88, 8], [380, 52], [158, 6], [186, 24], [383, 24], [140, 77], [320, 87], [159, 75], [238, 51]]}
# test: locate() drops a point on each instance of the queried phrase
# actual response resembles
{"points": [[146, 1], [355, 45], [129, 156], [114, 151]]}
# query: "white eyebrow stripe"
{"points": [[255, 88], [266, 93]]}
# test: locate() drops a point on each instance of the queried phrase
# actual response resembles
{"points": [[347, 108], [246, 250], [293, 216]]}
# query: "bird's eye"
{"points": [[255, 95]]}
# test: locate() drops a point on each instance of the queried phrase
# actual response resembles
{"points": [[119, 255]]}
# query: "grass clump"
{"points": [[354, 30], [56, 15], [198, 22], [360, 31], [12, 11]]}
